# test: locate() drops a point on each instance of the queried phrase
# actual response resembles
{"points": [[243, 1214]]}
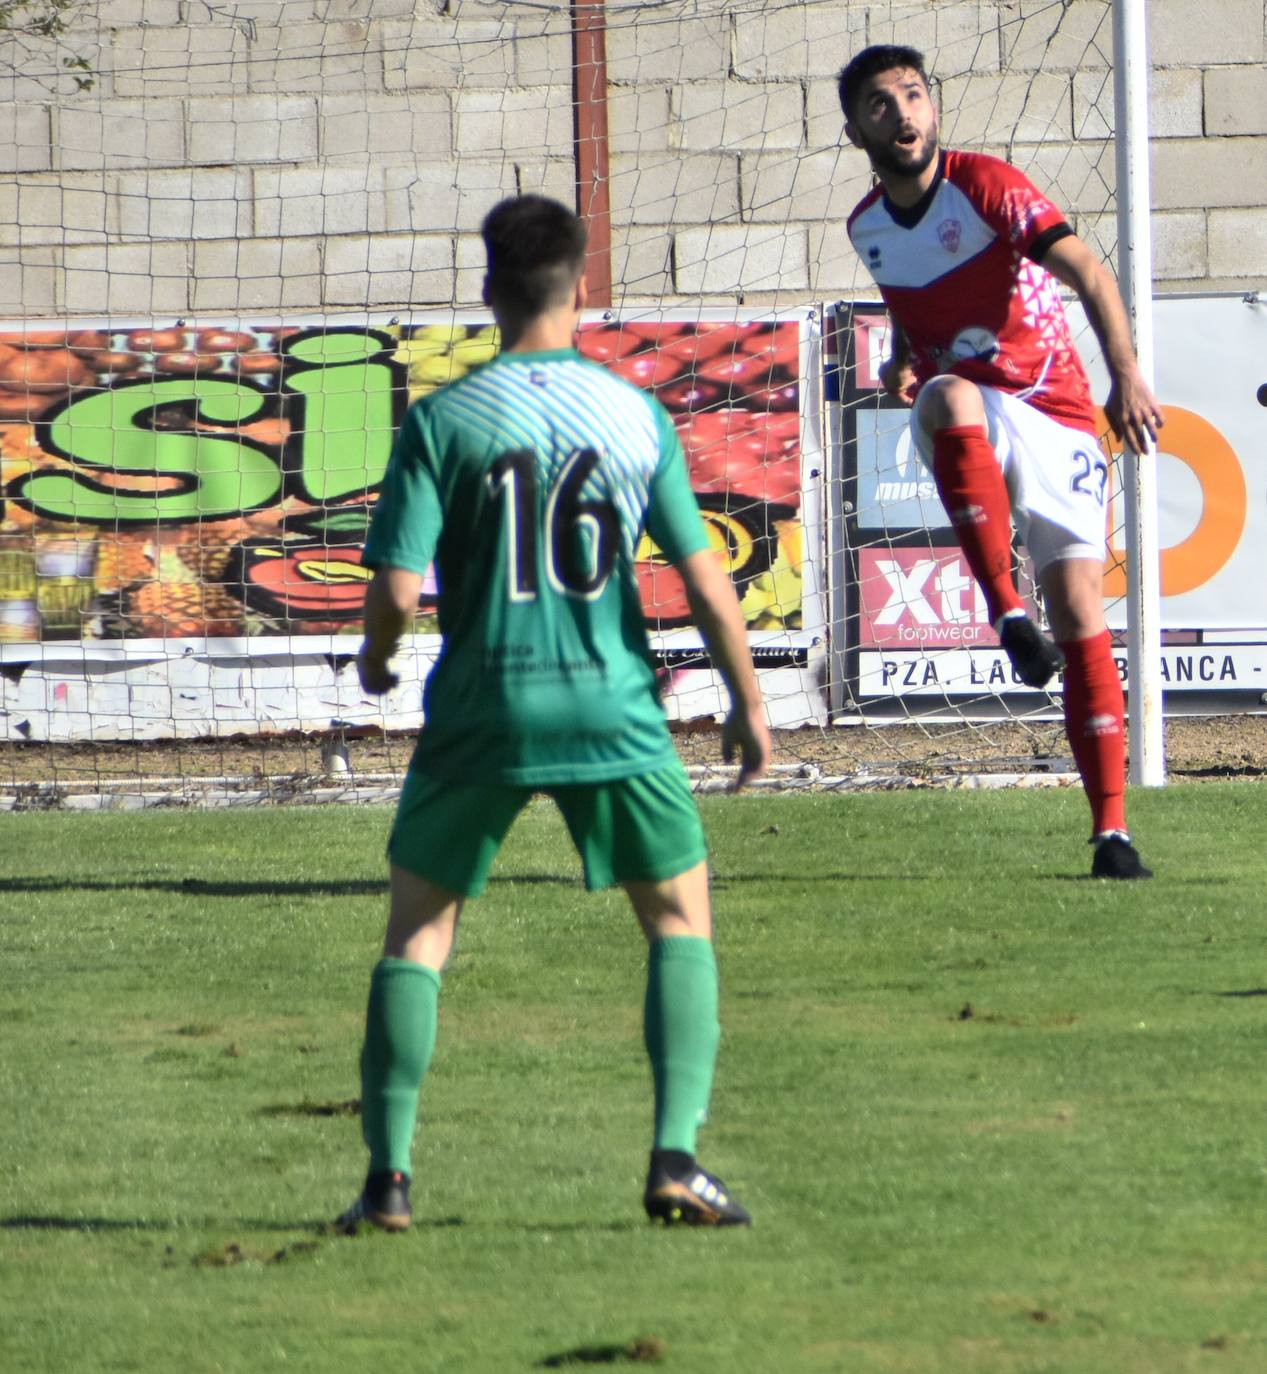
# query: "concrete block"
{"points": [[31, 71], [1235, 100], [536, 121], [693, 189], [1238, 243], [543, 48], [1174, 102], [835, 270], [256, 128], [318, 200], [797, 42], [642, 262], [727, 115], [445, 196], [342, 55], [1076, 177], [28, 285], [824, 120], [998, 107], [1073, 37], [470, 264], [638, 119], [554, 177], [71, 211], [268, 276], [658, 46], [184, 59], [1180, 246], [391, 271], [953, 38], [779, 188], [331, 11], [26, 138], [409, 124], [736, 259], [120, 133], [442, 54], [1184, 34], [135, 279], [181, 203], [119, 14], [1212, 172]]}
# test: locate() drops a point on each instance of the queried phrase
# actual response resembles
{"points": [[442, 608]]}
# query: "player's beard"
{"points": [[888, 161]]}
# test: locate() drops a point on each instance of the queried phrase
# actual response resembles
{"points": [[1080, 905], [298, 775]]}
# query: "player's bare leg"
{"points": [[1073, 589], [400, 1034], [681, 1030], [972, 488]]}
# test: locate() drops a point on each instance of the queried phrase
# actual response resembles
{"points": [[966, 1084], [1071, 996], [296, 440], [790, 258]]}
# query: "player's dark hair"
{"points": [[880, 57], [536, 252]]}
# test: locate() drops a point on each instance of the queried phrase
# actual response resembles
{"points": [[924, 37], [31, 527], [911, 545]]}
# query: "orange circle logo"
{"points": [[1224, 501]]}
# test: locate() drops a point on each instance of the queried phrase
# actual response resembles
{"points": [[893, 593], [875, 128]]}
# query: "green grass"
{"points": [[989, 1115]]}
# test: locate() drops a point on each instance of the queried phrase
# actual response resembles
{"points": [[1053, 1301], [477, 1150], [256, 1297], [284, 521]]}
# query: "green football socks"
{"points": [[681, 1033], [400, 1034]]}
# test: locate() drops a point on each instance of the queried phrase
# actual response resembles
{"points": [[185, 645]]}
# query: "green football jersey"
{"points": [[530, 483]]}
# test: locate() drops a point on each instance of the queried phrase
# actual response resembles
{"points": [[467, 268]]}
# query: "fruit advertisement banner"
{"points": [[213, 484]]}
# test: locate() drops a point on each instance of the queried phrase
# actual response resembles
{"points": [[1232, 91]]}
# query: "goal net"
{"points": [[234, 247]]}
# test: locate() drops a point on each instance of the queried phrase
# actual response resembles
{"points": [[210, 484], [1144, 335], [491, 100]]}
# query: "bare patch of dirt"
{"points": [[1197, 748]]}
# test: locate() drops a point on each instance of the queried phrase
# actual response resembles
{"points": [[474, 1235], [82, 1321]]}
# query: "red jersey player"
{"points": [[967, 254]]}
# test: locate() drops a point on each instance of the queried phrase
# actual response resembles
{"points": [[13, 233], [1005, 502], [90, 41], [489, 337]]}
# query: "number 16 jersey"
{"points": [[529, 483]]}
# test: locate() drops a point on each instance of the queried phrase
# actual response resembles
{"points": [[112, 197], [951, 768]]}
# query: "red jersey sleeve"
{"points": [[1005, 199]]}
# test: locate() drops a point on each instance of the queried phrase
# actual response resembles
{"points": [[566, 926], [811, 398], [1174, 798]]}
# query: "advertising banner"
{"points": [[900, 589], [201, 494]]}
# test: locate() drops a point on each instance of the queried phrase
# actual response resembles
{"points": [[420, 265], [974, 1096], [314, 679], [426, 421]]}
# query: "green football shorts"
{"points": [[638, 829]]}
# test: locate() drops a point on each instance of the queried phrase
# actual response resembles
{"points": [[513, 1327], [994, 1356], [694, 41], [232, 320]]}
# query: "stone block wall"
{"points": [[329, 155]]}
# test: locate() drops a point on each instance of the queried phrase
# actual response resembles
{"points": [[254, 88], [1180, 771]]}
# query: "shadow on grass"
{"points": [[89, 1225], [322, 1225], [203, 887]]}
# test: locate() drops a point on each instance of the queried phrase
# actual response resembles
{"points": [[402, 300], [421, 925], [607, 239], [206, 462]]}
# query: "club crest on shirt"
{"points": [[950, 231]]}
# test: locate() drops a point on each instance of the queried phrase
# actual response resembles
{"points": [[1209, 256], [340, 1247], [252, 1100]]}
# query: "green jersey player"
{"points": [[529, 484]]}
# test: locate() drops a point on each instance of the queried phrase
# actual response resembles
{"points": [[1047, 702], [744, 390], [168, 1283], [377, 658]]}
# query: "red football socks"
{"points": [[1093, 722], [970, 484]]}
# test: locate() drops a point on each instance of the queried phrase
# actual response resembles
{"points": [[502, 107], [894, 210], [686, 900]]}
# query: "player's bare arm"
{"points": [[897, 376], [716, 610], [1131, 408], [390, 600]]}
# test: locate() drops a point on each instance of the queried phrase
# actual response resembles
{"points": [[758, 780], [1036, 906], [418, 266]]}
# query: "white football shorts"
{"points": [[1057, 477]]}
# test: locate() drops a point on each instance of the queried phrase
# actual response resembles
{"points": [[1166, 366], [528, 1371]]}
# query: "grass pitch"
{"points": [[988, 1115]]}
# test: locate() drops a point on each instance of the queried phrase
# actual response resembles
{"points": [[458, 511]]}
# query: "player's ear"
{"points": [[852, 134], [582, 297]]}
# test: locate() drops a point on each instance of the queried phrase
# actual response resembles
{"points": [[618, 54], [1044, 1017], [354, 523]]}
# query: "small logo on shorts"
{"points": [[950, 231]]}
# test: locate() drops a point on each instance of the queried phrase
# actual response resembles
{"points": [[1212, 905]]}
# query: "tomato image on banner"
{"points": [[176, 481]]}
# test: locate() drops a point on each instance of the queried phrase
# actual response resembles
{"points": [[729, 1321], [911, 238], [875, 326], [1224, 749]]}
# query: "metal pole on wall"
{"points": [[1135, 272], [589, 104]]}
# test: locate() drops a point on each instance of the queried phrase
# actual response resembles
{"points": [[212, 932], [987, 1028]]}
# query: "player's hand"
{"points": [[897, 377], [1133, 412], [376, 677], [746, 733]]}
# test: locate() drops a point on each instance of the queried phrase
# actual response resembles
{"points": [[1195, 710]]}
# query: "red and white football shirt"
{"points": [[958, 275]]}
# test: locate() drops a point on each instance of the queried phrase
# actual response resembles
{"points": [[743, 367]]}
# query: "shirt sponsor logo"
{"points": [[975, 344]]}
